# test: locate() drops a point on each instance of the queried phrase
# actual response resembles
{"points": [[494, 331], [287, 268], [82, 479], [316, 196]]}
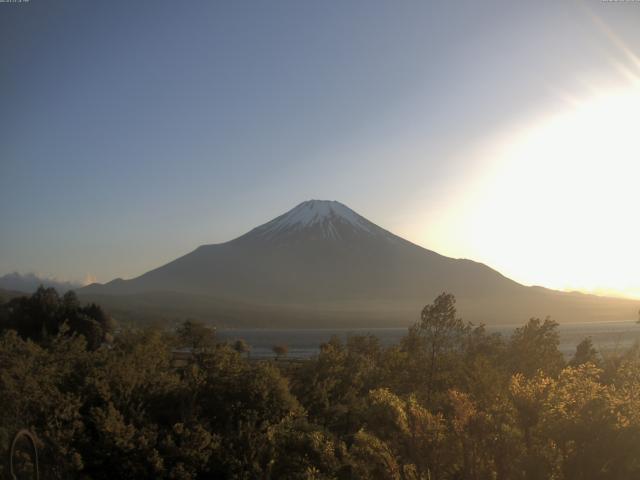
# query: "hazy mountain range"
{"points": [[322, 264], [29, 282]]}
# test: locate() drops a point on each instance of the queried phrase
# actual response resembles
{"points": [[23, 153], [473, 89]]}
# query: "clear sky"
{"points": [[503, 131]]}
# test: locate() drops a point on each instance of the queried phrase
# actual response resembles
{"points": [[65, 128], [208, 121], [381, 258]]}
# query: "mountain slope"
{"points": [[322, 262]]}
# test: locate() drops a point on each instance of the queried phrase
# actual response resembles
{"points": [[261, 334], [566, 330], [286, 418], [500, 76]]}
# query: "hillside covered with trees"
{"points": [[451, 401]]}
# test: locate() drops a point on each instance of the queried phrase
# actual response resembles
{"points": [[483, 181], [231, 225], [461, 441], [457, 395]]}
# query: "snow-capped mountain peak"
{"points": [[318, 211], [328, 218]]}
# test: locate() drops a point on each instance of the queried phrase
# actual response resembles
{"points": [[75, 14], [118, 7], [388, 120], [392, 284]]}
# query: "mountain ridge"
{"points": [[322, 257]]}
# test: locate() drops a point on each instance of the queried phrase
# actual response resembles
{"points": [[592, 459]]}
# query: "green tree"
{"points": [[198, 339], [280, 350], [242, 347], [585, 353], [534, 347], [442, 332], [41, 317], [196, 336]]}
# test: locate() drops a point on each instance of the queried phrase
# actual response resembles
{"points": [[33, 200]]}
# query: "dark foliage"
{"points": [[44, 315], [450, 402]]}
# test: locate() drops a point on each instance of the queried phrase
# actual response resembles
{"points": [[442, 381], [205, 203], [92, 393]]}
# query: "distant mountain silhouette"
{"points": [[323, 264], [29, 283]]}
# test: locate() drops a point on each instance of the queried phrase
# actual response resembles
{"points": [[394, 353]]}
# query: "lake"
{"points": [[305, 343]]}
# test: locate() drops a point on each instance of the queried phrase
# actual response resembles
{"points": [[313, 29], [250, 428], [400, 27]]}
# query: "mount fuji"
{"points": [[322, 264]]}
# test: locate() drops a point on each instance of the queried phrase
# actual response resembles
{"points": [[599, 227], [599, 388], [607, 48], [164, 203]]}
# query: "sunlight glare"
{"points": [[560, 207]]}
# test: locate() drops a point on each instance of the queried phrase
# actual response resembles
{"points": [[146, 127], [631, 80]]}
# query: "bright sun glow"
{"points": [[558, 205]]}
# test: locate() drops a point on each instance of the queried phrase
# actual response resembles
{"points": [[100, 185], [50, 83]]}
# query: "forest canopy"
{"points": [[451, 401]]}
